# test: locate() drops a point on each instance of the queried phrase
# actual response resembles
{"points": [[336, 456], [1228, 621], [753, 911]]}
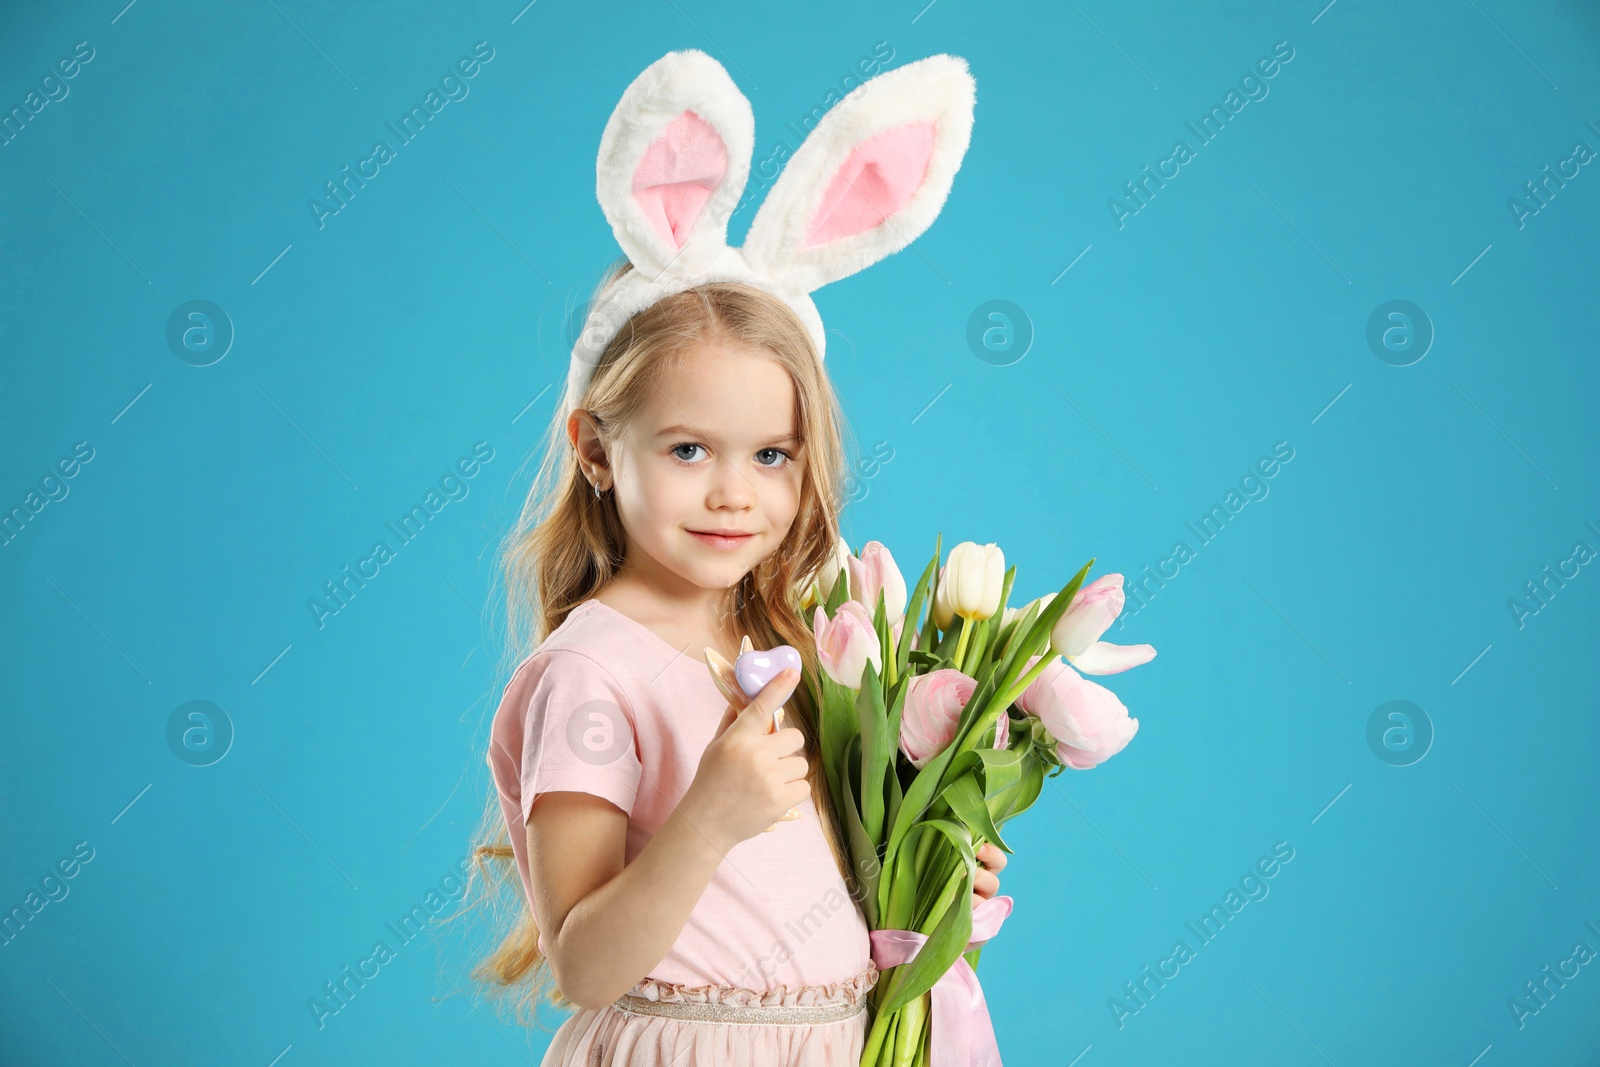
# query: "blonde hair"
{"points": [[566, 545]]}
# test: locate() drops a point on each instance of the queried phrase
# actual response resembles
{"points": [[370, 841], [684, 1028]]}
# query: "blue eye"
{"points": [[776, 466], [784, 458], [686, 444]]}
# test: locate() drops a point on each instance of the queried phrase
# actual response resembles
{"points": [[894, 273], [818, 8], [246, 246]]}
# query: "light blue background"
{"points": [[1227, 315]]}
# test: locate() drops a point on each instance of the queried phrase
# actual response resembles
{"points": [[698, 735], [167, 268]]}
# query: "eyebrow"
{"points": [[787, 439]]}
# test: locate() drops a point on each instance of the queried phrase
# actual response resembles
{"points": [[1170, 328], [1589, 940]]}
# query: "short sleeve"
{"points": [[578, 732]]}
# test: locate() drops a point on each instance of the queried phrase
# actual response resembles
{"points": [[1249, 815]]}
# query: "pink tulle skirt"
{"points": [[661, 1024]]}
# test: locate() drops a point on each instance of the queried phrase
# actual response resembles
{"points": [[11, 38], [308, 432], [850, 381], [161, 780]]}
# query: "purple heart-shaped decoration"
{"points": [[754, 670]]}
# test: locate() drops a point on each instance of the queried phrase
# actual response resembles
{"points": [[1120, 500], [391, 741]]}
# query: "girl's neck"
{"points": [[705, 620]]}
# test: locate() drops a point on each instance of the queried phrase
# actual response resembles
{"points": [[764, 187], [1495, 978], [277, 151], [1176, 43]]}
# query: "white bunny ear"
{"points": [[673, 161], [869, 179]]}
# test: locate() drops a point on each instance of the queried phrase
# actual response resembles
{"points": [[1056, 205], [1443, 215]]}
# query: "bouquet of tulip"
{"points": [[933, 734]]}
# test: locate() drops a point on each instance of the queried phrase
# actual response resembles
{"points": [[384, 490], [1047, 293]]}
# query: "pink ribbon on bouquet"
{"points": [[961, 1034]]}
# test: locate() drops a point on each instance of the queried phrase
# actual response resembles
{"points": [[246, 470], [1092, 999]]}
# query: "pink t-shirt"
{"points": [[606, 706]]}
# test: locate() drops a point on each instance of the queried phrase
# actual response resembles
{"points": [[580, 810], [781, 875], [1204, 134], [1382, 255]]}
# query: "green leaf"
{"points": [[908, 630], [922, 793], [952, 927], [838, 725], [863, 854], [1005, 593], [966, 798], [1002, 781], [841, 592], [930, 628], [896, 793], [1030, 784], [891, 773], [993, 684], [1015, 632], [936, 773], [877, 749], [1038, 635]]}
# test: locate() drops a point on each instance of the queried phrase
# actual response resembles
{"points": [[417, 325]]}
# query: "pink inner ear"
{"points": [[876, 181], [677, 174]]}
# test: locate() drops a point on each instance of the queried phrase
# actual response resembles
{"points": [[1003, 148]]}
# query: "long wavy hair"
{"points": [[566, 546]]}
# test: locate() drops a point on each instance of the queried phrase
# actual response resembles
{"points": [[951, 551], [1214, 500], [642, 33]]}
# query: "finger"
{"points": [[729, 715], [786, 742], [793, 768], [773, 694], [992, 856], [985, 884]]}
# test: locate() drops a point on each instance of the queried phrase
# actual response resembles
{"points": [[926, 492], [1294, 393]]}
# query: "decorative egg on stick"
{"points": [[747, 676]]}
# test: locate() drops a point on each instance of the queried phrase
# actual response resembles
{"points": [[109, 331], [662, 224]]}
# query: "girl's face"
{"points": [[714, 449]]}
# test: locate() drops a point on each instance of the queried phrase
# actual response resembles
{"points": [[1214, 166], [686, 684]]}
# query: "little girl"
{"points": [[685, 885], [682, 930]]}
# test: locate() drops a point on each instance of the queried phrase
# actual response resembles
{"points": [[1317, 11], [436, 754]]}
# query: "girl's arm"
{"points": [[607, 922]]}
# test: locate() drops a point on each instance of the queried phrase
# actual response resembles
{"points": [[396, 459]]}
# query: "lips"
{"points": [[721, 539]]}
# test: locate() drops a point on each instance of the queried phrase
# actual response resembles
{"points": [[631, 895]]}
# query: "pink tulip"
{"points": [[1002, 728], [876, 572], [932, 711], [1087, 720], [846, 643], [1076, 635]]}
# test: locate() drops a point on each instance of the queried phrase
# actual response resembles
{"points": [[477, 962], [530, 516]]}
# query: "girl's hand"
{"points": [[986, 882], [748, 778]]}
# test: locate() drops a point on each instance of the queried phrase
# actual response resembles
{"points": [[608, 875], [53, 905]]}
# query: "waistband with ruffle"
{"points": [[804, 1006]]}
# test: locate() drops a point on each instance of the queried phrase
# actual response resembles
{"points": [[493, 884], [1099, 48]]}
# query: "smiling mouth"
{"points": [[720, 540]]}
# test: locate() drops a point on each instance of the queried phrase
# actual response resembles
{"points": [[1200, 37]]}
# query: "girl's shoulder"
{"points": [[585, 658], [598, 645], [599, 654], [588, 640]]}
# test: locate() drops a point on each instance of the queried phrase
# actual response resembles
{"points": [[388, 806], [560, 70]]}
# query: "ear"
{"points": [[869, 179], [673, 161]]}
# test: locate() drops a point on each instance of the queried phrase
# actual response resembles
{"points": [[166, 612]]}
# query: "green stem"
{"points": [[924, 1053], [947, 894], [1026, 680], [890, 655], [924, 845], [961, 642], [996, 707], [882, 1029], [908, 1031]]}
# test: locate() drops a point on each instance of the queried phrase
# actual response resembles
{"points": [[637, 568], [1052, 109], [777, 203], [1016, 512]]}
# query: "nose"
{"points": [[730, 487]]}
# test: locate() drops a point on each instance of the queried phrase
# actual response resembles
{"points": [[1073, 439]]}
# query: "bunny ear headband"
{"points": [[869, 179]]}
